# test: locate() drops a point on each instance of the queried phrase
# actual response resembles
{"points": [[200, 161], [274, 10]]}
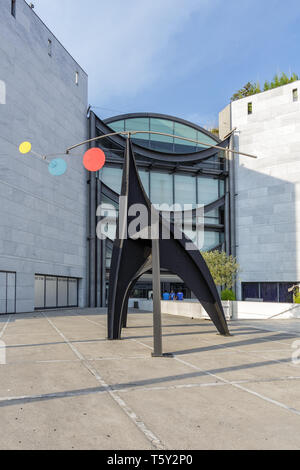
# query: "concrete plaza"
{"points": [[64, 386]]}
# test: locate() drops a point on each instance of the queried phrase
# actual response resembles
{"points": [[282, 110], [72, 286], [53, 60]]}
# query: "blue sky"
{"points": [[180, 57]]}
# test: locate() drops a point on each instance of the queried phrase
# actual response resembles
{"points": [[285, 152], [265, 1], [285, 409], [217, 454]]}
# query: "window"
{"points": [[250, 108], [49, 48], [112, 177], [211, 240], [144, 175], [55, 292], [117, 126], [13, 7], [285, 294], [268, 291], [295, 94], [250, 290], [208, 190], [161, 188], [141, 124], [184, 146], [7, 292], [185, 190], [77, 78], [164, 143]]}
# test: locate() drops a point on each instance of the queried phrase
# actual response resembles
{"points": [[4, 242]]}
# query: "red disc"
{"points": [[94, 159]]}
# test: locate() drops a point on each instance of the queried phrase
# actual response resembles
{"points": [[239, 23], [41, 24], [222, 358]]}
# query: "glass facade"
{"points": [[166, 182], [169, 188], [163, 143]]}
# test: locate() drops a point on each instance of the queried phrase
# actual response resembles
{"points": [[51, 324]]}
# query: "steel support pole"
{"points": [[92, 226], [157, 330]]}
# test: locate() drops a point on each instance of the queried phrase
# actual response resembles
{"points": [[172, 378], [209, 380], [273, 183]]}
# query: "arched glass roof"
{"points": [[168, 125]]}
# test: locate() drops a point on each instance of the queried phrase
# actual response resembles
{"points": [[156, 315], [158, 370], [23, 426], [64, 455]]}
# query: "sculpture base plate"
{"points": [[162, 355]]}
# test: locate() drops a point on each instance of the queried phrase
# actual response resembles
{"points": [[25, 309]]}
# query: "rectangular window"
{"points": [[39, 292], [62, 292], [7, 292], [295, 94], [13, 7], [208, 190], [185, 190], [250, 108], [77, 78], [269, 291], [250, 290], [51, 291], [55, 292], [161, 188], [49, 48], [285, 294], [211, 240], [73, 293]]}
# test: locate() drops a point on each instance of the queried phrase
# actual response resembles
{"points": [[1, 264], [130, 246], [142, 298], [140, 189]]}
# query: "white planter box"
{"points": [[191, 309]]}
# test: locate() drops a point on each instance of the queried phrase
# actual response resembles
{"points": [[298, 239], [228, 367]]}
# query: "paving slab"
{"points": [[222, 418], [84, 422], [66, 386]]}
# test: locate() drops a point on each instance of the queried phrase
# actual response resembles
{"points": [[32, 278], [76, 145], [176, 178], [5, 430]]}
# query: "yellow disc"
{"points": [[25, 147]]}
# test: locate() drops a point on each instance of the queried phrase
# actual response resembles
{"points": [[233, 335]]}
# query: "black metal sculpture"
{"points": [[131, 258]]}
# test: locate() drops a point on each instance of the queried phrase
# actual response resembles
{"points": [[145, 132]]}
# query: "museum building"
{"points": [[50, 256]]}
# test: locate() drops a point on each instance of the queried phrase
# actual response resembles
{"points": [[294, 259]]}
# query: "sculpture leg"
{"points": [[192, 269], [128, 262]]}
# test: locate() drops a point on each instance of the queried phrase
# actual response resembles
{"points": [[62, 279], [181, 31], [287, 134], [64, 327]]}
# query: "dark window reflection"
{"points": [[284, 294], [250, 290], [268, 291]]}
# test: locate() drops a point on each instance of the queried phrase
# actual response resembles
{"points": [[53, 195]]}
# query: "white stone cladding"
{"points": [[268, 189]]}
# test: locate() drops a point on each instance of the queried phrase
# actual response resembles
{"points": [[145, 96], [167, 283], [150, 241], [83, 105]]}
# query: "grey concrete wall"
{"points": [[42, 217], [225, 122], [268, 189]]}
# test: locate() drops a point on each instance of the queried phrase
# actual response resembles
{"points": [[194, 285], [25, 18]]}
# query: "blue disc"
{"points": [[57, 167]]}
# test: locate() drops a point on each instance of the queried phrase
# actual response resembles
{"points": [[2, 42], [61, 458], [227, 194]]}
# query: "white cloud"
{"points": [[125, 46]]}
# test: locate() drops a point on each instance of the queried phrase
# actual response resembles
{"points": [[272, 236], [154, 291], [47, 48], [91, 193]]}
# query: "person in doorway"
{"points": [[166, 295], [172, 295], [179, 295]]}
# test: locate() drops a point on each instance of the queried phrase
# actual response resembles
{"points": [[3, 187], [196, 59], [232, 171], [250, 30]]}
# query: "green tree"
{"points": [[247, 90], [227, 294], [254, 88], [215, 131], [223, 267], [294, 78]]}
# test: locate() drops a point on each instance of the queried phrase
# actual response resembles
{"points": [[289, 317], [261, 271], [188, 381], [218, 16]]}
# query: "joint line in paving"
{"points": [[150, 436], [5, 326], [262, 397]]}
